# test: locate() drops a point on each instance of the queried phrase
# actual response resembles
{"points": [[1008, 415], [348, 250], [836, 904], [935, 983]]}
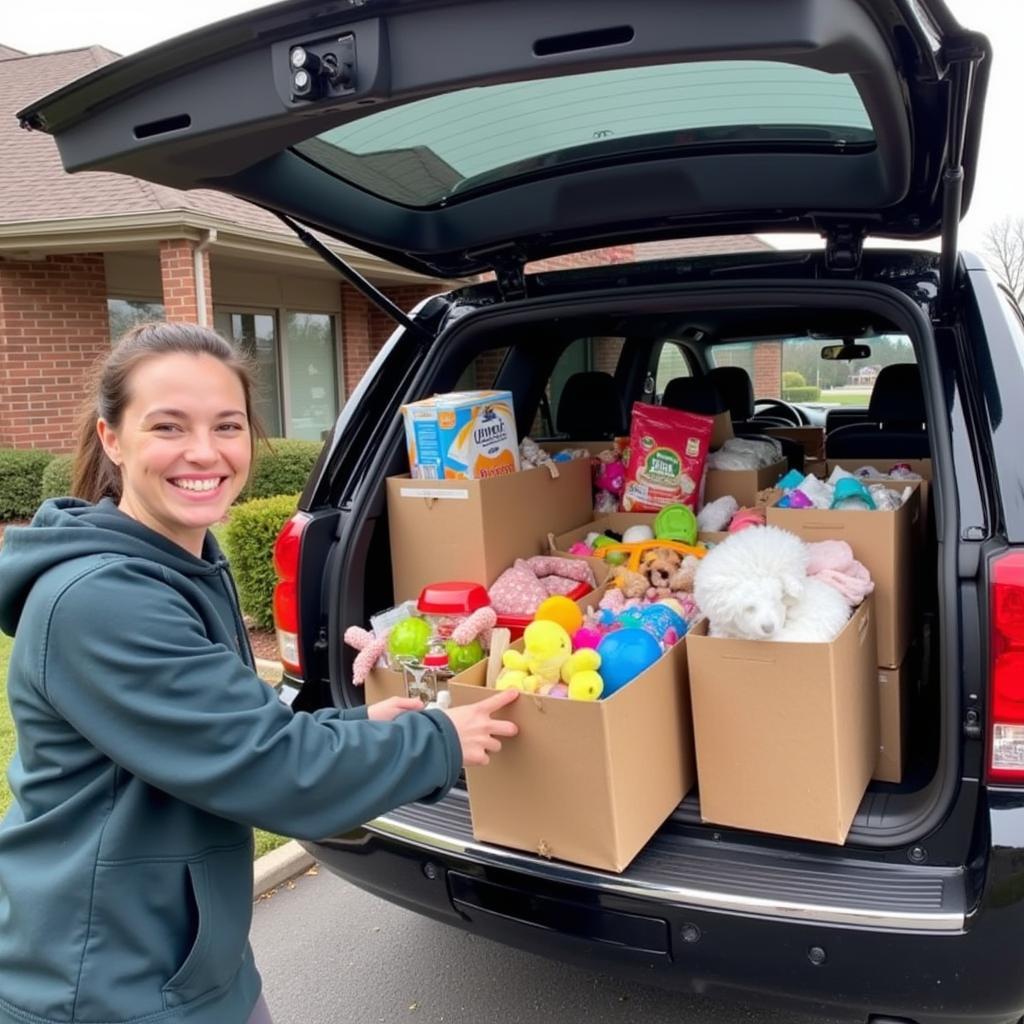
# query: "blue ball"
{"points": [[624, 655], [658, 619]]}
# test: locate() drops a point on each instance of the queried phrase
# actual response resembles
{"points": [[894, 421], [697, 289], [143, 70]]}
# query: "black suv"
{"points": [[458, 137]]}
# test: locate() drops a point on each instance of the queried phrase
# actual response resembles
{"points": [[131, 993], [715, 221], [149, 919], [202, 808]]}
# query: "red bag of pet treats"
{"points": [[667, 452]]}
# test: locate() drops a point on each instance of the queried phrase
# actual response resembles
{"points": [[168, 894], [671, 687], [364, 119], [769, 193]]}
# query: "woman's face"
{"points": [[183, 445]]}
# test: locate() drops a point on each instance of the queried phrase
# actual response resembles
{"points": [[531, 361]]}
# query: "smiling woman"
{"points": [[147, 746], [183, 445]]}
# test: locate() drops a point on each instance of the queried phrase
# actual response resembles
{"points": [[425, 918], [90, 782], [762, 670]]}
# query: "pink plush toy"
{"points": [[833, 563], [371, 649], [746, 517], [611, 477]]}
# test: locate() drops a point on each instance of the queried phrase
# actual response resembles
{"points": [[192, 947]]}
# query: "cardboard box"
{"points": [[742, 484], [382, 683], [893, 691], [588, 782], [812, 438], [618, 522], [475, 529], [923, 468], [884, 542], [786, 734], [816, 467]]}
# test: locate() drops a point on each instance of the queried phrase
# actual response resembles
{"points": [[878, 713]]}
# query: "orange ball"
{"points": [[562, 610]]}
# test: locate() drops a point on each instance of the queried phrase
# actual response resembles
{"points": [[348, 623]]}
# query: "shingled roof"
{"points": [[34, 185]]}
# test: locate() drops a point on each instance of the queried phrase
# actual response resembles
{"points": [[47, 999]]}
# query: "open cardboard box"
{"points": [[742, 484], [786, 734], [383, 682], [588, 781], [922, 467], [884, 542], [475, 529], [811, 438], [617, 522]]}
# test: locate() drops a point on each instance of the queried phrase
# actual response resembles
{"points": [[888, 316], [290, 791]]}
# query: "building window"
{"points": [[124, 314], [296, 358], [311, 374], [255, 334]]}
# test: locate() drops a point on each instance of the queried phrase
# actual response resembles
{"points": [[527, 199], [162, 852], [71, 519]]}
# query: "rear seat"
{"points": [[590, 408], [896, 426], [703, 395], [844, 417]]}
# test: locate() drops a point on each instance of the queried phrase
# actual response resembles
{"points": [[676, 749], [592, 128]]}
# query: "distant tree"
{"points": [[1004, 245], [793, 379]]}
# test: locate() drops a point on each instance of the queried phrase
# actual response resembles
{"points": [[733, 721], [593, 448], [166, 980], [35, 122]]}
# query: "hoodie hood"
{"points": [[67, 528]]}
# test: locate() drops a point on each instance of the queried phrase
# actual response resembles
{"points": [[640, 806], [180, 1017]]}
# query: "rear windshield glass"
{"points": [[430, 150]]}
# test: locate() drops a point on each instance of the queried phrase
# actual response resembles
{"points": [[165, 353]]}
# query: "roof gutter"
{"points": [[33, 240], [199, 269]]}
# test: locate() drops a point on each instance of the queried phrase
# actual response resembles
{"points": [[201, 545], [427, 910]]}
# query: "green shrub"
{"points": [[57, 477], [253, 527], [793, 379], [807, 394], [21, 480], [281, 468]]}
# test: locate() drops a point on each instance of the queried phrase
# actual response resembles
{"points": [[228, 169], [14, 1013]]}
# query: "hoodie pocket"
{"points": [[222, 890]]}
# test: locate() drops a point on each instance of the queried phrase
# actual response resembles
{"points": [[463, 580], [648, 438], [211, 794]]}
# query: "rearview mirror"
{"points": [[846, 352]]}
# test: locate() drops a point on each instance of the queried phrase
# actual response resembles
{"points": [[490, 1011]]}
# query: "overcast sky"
{"points": [[128, 25]]}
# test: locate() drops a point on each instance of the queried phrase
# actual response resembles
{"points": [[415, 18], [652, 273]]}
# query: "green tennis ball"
{"points": [[462, 656], [409, 639], [616, 557]]}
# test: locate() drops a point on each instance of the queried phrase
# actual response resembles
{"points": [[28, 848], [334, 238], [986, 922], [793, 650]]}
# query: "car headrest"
{"points": [[693, 394], [897, 396], [737, 390], [590, 407]]}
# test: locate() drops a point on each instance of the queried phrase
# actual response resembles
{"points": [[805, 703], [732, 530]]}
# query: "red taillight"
{"points": [[287, 548], [1006, 683]]}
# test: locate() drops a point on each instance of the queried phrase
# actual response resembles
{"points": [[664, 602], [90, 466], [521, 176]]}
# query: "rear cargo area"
{"points": [[532, 355]]}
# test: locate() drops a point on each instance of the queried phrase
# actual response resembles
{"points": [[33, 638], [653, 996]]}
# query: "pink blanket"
{"points": [[833, 563]]}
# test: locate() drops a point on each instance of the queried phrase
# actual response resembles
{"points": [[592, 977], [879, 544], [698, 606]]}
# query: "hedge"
{"points": [[281, 468], [793, 379], [252, 528], [808, 394], [57, 477], [21, 480]]}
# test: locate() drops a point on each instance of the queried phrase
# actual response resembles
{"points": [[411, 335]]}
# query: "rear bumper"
{"points": [[942, 970]]}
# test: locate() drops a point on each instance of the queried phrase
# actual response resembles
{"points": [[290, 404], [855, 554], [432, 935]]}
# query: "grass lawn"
{"points": [[265, 841], [859, 398], [6, 725]]}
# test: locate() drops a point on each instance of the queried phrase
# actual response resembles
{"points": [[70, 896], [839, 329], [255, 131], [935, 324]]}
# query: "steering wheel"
{"points": [[791, 413]]}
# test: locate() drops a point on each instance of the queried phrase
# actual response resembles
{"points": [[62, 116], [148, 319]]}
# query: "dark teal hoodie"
{"points": [[147, 749]]}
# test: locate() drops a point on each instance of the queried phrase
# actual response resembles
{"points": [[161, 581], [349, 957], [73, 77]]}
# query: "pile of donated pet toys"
{"points": [[586, 653]]}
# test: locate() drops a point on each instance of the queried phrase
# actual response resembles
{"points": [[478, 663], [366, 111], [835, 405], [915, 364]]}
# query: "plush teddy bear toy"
{"points": [[632, 584], [681, 581], [660, 565]]}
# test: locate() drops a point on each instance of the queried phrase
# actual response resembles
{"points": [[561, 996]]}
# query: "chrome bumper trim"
{"points": [[702, 899]]}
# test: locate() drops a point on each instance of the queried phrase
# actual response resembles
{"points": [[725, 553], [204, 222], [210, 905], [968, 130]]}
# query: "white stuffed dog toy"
{"points": [[754, 586]]}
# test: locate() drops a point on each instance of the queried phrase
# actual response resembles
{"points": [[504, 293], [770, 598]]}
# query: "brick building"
{"points": [[84, 256]]}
